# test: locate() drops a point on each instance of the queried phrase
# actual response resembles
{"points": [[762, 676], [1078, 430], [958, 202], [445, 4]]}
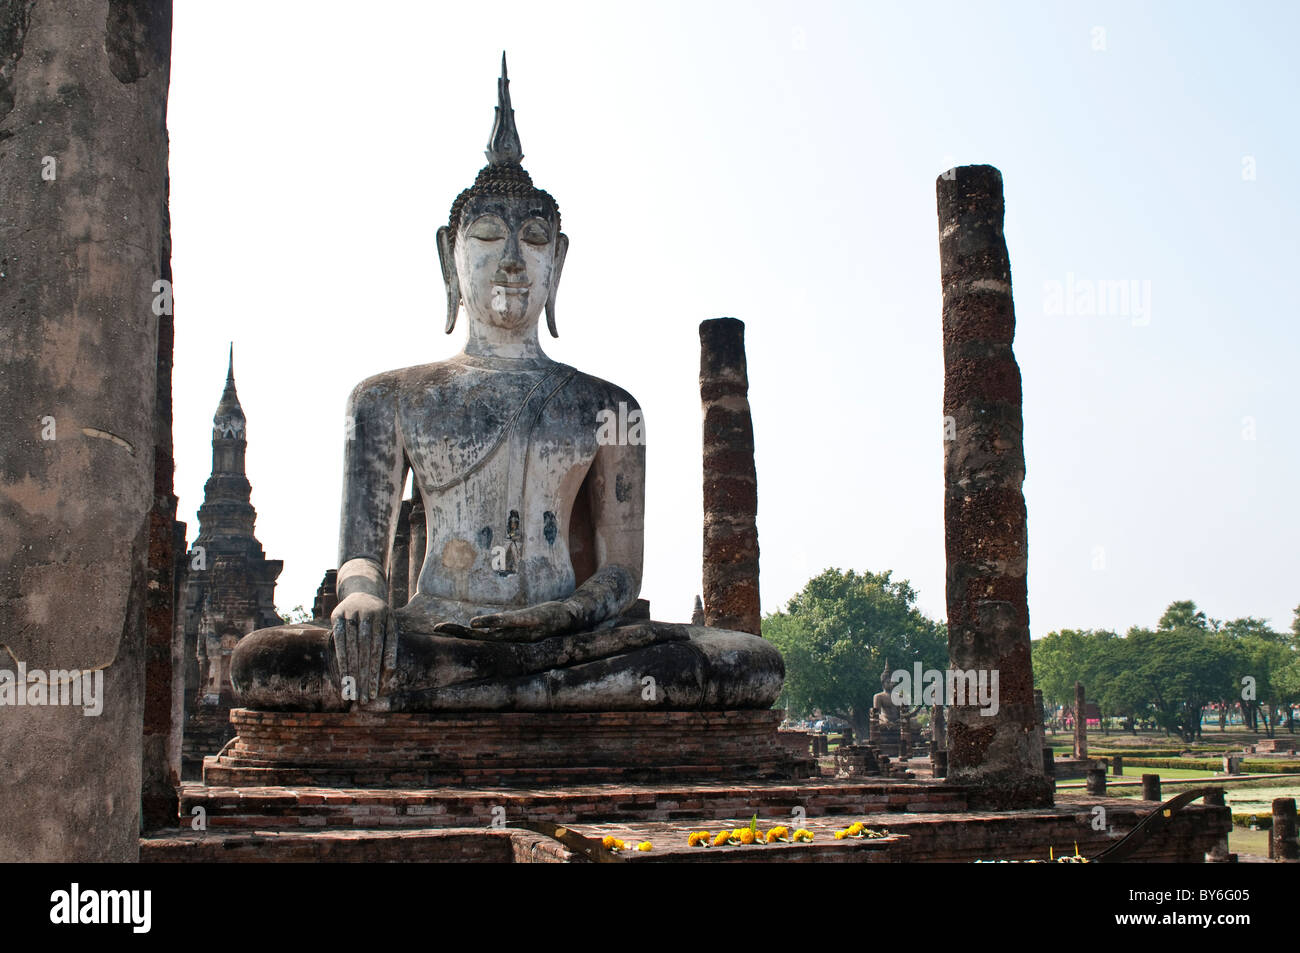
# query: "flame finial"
{"points": [[504, 147]]}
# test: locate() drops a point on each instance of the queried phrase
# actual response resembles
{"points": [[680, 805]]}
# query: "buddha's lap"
{"points": [[723, 664]]}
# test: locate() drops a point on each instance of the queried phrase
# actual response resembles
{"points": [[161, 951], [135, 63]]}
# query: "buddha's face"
{"points": [[505, 260]]}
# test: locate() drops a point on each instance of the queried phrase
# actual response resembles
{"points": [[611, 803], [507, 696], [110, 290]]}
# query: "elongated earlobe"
{"points": [[561, 249], [447, 259]]}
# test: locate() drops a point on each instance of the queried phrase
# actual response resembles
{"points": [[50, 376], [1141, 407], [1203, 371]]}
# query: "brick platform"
{"points": [[284, 808], [919, 837], [359, 749]]}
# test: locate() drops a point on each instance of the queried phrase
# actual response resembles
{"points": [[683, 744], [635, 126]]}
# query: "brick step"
{"points": [[225, 771], [307, 807], [360, 749]]}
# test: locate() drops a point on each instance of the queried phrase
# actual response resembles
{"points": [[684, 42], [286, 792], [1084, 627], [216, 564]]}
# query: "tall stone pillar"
{"points": [[730, 481], [399, 560], [83, 175], [417, 545], [1080, 721], [998, 756], [161, 770]]}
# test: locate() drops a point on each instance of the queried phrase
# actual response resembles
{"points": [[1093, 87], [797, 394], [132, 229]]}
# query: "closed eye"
{"points": [[489, 228]]}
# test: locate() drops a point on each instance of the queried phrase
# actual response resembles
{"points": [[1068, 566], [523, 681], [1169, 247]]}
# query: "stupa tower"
{"points": [[229, 588]]}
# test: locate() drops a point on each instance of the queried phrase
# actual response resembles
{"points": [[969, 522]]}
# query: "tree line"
{"points": [[1169, 675], [838, 632]]}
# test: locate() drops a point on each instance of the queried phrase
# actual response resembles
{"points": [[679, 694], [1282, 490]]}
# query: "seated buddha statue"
{"points": [[535, 518]]}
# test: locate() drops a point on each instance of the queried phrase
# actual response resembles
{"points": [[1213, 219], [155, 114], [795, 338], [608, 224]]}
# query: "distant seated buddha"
{"points": [[535, 521]]}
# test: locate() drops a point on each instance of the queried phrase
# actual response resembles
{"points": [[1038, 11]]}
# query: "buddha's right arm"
{"points": [[374, 472]]}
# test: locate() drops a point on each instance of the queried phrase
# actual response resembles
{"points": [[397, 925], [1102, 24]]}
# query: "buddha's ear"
{"points": [[447, 259], [561, 249]]}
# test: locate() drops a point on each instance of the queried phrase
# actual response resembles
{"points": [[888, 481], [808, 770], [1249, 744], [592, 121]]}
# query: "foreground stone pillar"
{"points": [[1080, 722], [998, 756], [730, 481], [83, 173]]}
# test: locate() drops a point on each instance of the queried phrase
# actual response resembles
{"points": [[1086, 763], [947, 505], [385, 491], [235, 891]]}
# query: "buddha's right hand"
{"points": [[364, 637]]}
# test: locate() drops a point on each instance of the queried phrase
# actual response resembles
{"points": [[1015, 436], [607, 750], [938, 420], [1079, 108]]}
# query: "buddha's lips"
{"points": [[509, 288]]}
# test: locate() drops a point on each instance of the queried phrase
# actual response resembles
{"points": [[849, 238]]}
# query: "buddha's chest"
{"points": [[488, 440]]}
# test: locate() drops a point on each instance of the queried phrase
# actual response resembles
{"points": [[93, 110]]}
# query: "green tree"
{"points": [[837, 634], [1184, 669], [1182, 615], [296, 614]]}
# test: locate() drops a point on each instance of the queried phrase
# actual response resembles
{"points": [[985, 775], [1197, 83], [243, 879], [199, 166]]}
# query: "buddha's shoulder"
{"points": [[591, 387], [391, 384]]}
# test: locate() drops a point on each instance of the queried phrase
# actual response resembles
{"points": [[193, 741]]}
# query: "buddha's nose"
{"points": [[512, 263]]}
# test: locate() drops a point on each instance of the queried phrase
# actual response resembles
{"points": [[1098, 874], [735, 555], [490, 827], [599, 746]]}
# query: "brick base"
{"points": [[282, 808], [391, 750], [925, 836]]}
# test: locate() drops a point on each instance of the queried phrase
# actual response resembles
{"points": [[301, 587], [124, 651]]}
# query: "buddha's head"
{"points": [[502, 249]]}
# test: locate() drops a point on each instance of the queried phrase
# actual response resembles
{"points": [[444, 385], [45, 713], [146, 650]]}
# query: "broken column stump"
{"points": [[1097, 779], [999, 756], [730, 481], [1151, 787], [1282, 839]]}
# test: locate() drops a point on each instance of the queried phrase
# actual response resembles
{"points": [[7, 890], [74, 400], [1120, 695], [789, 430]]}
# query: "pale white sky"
{"points": [[776, 162]]}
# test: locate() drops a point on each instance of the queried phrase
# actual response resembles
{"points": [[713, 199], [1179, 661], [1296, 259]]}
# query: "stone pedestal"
{"points": [[856, 761], [358, 749]]}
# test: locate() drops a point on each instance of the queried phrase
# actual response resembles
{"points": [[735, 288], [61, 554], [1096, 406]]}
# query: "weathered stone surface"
{"points": [[83, 168], [999, 755]]}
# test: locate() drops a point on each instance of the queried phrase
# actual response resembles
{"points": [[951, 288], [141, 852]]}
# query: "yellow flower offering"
{"points": [[840, 835], [778, 834], [803, 835], [699, 838], [746, 835], [722, 838], [856, 829], [608, 842], [645, 845]]}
